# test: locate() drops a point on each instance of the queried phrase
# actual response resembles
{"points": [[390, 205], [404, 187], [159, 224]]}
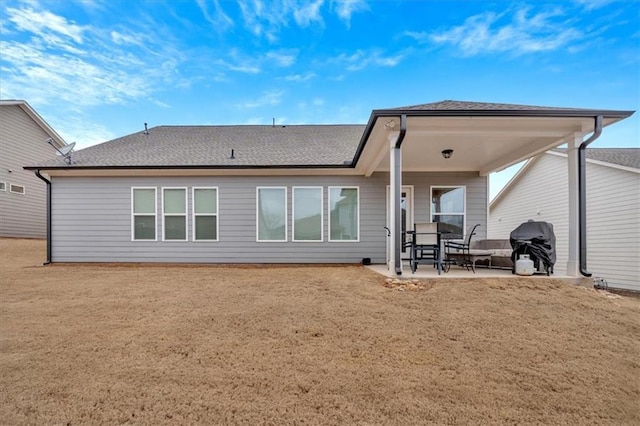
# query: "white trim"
{"points": [[258, 240], [329, 188], [185, 214], [4, 186], [194, 214], [464, 206], [155, 213], [293, 214], [13, 185]]}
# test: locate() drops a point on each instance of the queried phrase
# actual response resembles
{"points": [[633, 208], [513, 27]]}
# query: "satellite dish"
{"points": [[66, 150]]}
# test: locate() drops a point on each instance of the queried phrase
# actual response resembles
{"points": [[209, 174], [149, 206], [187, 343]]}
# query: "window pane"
{"points": [[451, 224], [271, 214], [307, 205], [175, 228], [206, 227], [205, 201], [144, 201], [344, 213], [447, 200], [144, 228], [174, 201]]}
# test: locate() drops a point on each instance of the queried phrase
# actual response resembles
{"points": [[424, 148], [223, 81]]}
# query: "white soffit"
{"points": [[481, 144]]}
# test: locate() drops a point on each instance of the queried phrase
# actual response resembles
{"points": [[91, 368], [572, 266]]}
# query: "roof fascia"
{"points": [[24, 105], [504, 113], [193, 167], [133, 172]]}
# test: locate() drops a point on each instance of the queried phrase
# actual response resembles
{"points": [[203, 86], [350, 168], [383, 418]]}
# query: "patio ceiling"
{"points": [[480, 143]]}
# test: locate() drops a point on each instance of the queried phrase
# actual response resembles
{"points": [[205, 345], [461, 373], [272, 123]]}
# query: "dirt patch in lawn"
{"points": [[330, 345]]}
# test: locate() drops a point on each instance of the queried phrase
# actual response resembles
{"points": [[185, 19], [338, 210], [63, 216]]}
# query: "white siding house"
{"points": [[23, 141], [539, 192]]}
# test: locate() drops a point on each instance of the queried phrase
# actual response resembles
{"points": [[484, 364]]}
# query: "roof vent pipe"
{"points": [[582, 194], [146, 131]]}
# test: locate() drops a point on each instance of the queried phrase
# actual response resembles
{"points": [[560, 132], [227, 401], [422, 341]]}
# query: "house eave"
{"points": [[197, 170]]}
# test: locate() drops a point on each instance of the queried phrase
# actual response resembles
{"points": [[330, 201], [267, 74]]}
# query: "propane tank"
{"points": [[524, 265]]}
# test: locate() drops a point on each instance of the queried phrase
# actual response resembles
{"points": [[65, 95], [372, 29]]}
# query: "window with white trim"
{"points": [[344, 213], [174, 214], [16, 189], [271, 212], [143, 214], [205, 214], [3, 186], [448, 209], [307, 213]]}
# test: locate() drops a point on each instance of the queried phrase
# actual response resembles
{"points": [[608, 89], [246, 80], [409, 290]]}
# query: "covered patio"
{"points": [[457, 272], [477, 138]]}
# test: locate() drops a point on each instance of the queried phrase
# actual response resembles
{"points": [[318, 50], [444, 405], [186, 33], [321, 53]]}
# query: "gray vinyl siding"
{"points": [[22, 143], [613, 216], [92, 219]]}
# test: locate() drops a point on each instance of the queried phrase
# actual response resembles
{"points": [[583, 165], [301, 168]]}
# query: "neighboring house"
{"points": [[23, 140], [539, 191], [294, 194]]}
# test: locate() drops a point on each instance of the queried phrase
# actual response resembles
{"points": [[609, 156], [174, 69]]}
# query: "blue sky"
{"points": [[99, 69]]}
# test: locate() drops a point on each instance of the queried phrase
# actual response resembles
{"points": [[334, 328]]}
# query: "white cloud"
{"points": [[345, 8], [309, 13], [517, 32], [272, 98], [593, 4], [217, 18], [361, 59], [53, 61], [300, 78], [43, 23], [283, 58]]}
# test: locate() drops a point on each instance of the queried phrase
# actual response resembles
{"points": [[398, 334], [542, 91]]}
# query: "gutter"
{"points": [[582, 194], [397, 170], [48, 182]]}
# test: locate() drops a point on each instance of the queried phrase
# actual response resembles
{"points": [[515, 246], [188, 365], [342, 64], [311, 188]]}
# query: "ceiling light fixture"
{"points": [[447, 153]]}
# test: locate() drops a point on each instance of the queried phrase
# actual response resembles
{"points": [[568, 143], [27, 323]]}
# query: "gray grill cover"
{"points": [[536, 239]]}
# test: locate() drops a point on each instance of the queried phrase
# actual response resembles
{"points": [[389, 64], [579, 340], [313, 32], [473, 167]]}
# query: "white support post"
{"points": [[395, 189], [573, 263]]}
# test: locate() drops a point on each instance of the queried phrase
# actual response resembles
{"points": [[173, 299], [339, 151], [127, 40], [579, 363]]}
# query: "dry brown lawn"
{"points": [[86, 344]]}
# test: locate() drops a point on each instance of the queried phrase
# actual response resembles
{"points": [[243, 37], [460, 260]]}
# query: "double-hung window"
{"points": [[3, 186], [174, 214], [344, 213], [143, 214], [448, 209], [271, 220], [307, 213], [205, 214]]}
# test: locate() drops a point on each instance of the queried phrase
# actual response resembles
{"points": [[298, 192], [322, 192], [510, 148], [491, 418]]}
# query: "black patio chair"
{"points": [[462, 253], [425, 246]]}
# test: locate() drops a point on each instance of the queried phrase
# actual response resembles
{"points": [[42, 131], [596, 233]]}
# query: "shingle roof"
{"points": [[628, 157], [311, 146], [449, 105], [193, 146]]}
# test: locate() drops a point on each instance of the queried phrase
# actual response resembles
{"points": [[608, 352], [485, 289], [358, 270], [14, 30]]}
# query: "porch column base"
{"points": [[573, 269]]}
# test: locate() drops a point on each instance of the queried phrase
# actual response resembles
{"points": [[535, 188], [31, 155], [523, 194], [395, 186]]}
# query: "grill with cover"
{"points": [[538, 241]]}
